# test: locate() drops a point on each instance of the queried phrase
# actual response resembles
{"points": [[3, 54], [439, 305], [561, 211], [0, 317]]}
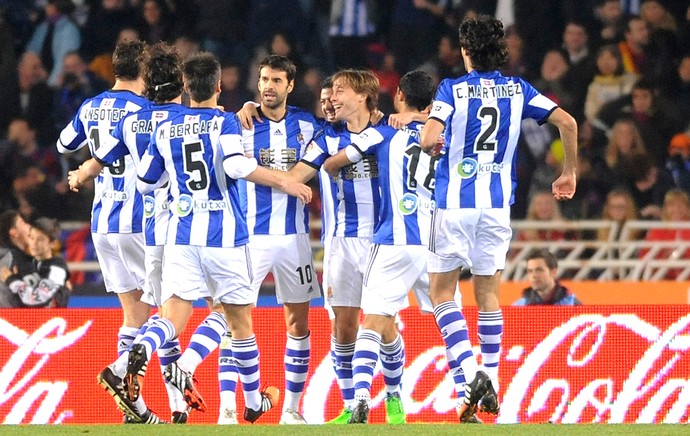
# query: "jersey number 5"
{"points": [[195, 166]]}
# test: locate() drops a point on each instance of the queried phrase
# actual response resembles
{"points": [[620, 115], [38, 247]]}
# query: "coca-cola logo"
{"points": [[563, 365], [601, 396], [33, 352]]}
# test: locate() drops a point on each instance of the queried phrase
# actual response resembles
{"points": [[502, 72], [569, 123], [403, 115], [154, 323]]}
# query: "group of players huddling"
{"points": [[192, 202]]}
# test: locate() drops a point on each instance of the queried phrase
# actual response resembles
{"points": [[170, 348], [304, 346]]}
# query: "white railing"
{"points": [[579, 259], [620, 259]]}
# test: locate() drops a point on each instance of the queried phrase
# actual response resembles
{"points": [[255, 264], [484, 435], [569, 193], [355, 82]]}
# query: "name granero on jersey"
{"points": [[181, 130], [505, 90], [104, 114], [142, 126]]}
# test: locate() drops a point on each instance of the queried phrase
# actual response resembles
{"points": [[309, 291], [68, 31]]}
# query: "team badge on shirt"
{"points": [[184, 205], [408, 203], [149, 206], [467, 168]]}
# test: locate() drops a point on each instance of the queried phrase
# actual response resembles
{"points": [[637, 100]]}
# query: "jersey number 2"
{"points": [[486, 141]]}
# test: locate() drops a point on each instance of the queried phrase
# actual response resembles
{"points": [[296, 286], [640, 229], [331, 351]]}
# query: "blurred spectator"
{"points": [[75, 84], [608, 15], [647, 184], [633, 48], [651, 115], [35, 194], [222, 25], [233, 92], [609, 84], [20, 149], [582, 66], [352, 28], [663, 34], [32, 98], [544, 288], [678, 93], [678, 163], [14, 247], [676, 208], [548, 170], [553, 81], [8, 73], [56, 36], [620, 208], [516, 65], [624, 142], [414, 28], [107, 18], [542, 208], [47, 284], [156, 22], [449, 62], [186, 45], [389, 79], [102, 65]]}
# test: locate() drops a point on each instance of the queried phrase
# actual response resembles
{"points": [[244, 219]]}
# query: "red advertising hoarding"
{"points": [[607, 364]]}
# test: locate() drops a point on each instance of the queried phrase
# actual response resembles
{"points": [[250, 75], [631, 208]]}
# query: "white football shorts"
{"points": [[223, 273], [289, 258], [346, 265], [391, 272], [475, 238], [121, 257]]}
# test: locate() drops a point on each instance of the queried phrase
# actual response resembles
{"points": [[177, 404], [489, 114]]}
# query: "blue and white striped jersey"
{"points": [[406, 177], [278, 145], [358, 194], [132, 135], [191, 147], [351, 18], [117, 206], [482, 113], [329, 204]]}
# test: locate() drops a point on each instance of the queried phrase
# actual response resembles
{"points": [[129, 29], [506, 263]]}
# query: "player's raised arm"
{"points": [[564, 187], [151, 173]]}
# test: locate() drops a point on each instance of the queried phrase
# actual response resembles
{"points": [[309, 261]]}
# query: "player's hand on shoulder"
{"points": [[248, 114], [375, 117]]}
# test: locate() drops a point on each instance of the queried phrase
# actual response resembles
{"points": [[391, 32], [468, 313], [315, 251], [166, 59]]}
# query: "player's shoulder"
{"points": [[302, 114]]}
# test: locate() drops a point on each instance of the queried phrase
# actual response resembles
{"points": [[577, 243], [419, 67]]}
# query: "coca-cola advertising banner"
{"points": [[607, 364]]}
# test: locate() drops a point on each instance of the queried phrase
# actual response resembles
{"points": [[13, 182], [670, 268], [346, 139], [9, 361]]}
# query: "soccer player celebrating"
{"points": [[278, 225], [481, 114], [199, 151], [116, 222]]}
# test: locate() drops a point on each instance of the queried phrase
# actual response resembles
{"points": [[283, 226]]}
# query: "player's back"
{"points": [[482, 112], [205, 207], [277, 145], [117, 206], [406, 177], [132, 135]]}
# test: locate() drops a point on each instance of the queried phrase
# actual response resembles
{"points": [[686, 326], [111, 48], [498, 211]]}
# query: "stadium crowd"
{"points": [[623, 74]]}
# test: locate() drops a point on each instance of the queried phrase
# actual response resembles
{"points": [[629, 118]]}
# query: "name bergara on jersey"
{"points": [[505, 90], [195, 128]]}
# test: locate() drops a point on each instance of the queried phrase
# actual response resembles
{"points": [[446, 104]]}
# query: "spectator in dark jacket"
{"points": [[545, 289]]}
